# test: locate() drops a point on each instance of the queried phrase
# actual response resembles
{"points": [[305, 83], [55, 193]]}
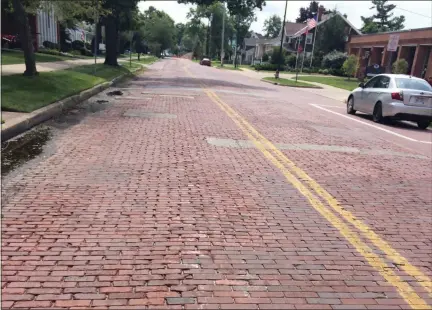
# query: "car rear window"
{"points": [[413, 84]]}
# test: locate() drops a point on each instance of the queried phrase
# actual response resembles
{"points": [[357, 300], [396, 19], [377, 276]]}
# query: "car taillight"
{"points": [[397, 96]]}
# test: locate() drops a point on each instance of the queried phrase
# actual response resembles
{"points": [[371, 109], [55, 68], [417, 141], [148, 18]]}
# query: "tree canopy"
{"points": [[272, 26], [383, 19]]}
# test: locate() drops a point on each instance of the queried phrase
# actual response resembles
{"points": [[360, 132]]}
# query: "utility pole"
{"points": [[236, 42], [281, 42], [210, 29], [95, 38], [223, 36]]}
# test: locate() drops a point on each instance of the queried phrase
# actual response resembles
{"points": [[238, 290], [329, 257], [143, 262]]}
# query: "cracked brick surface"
{"points": [[143, 213]]}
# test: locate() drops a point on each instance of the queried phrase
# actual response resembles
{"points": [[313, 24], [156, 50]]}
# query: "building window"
{"points": [[48, 19]]}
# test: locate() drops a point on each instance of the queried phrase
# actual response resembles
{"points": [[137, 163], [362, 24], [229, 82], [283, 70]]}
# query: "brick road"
{"points": [[165, 201]]}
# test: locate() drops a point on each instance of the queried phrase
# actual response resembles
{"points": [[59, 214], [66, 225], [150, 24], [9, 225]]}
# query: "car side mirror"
{"points": [[362, 85]]}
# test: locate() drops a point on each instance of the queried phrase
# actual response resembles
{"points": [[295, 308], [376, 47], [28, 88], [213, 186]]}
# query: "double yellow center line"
{"points": [[323, 202]]}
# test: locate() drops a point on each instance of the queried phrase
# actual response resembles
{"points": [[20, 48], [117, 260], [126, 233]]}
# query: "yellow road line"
{"points": [[264, 145], [404, 289], [368, 232], [321, 192]]}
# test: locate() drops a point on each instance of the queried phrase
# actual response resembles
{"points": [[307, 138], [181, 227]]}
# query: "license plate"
{"points": [[417, 100]]}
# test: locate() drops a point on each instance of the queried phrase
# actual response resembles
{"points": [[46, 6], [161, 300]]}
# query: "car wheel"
{"points": [[423, 124], [377, 113], [350, 105]]}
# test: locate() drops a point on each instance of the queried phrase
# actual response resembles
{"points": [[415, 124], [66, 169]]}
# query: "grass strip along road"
{"points": [[323, 202], [288, 82], [13, 58], [26, 94], [339, 82]]}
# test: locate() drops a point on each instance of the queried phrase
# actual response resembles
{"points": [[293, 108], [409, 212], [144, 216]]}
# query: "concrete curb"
{"points": [[274, 83], [21, 124]]}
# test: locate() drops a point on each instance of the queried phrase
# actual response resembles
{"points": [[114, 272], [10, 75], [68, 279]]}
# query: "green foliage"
{"points": [[290, 60], [268, 67], [158, 29], [50, 45], [272, 26], [277, 57], [265, 57], [309, 12], [334, 60], [382, 20], [331, 36], [400, 67], [350, 66]]}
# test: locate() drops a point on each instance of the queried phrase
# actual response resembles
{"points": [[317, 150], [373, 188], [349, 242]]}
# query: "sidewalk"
{"points": [[53, 66], [326, 91]]}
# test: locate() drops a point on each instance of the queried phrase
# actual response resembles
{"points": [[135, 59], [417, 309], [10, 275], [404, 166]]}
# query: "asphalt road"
{"points": [[201, 188]]}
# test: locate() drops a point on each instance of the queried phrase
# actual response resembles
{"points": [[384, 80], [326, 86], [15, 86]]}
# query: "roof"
{"points": [[397, 31], [292, 28], [250, 41]]}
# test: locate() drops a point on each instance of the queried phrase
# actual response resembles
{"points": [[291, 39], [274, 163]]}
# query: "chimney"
{"points": [[320, 12]]}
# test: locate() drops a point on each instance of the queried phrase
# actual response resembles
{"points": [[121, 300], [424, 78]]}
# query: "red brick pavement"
{"points": [[135, 213]]}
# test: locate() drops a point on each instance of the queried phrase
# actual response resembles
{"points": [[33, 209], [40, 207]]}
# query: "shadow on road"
{"points": [[192, 82], [394, 123]]}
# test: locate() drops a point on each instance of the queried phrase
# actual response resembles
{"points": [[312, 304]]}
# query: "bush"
{"points": [[400, 67], [314, 70], [275, 57], [350, 66], [325, 71], [265, 57], [337, 72], [290, 60], [51, 45], [49, 51], [77, 45], [86, 52], [269, 67], [306, 70], [334, 60]]}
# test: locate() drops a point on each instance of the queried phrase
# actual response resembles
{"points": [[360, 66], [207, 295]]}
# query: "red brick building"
{"points": [[415, 46]]}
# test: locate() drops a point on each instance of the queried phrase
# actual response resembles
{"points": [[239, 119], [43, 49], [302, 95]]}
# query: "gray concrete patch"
{"points": [[309, 147], [133, 98], [144, 114]]}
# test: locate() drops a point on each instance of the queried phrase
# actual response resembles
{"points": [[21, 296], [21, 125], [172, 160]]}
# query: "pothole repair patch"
{"points": [[145, 114]]}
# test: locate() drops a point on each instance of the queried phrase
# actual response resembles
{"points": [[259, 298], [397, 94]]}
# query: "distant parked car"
{"points": [[205, 62], [397, 96]]}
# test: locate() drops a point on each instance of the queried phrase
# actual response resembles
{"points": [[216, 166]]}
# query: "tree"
{"points": [[331, 36], [383, 20], [400, 67], [25, 35], [158, 29], [307, 12], [350, 66], [272, 26]]}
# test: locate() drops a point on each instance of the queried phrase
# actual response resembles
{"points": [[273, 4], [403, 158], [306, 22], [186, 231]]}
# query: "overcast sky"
{"points": [[417, 13]]}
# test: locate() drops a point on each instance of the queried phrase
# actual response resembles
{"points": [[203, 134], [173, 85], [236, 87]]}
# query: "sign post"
{"points": [[392, 46]]}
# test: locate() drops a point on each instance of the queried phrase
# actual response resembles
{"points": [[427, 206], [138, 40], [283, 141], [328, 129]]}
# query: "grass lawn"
{"points": [[288, 82], [228, 67], [146, 59], [26, 94], [11, 58], [335, 81]]}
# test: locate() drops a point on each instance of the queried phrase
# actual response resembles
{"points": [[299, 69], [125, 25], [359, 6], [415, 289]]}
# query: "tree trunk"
{"points": [[26, 38], [111, 40]]}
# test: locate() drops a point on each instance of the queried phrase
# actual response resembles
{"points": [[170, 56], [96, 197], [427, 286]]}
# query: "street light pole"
{"points": [[281, 42]]}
